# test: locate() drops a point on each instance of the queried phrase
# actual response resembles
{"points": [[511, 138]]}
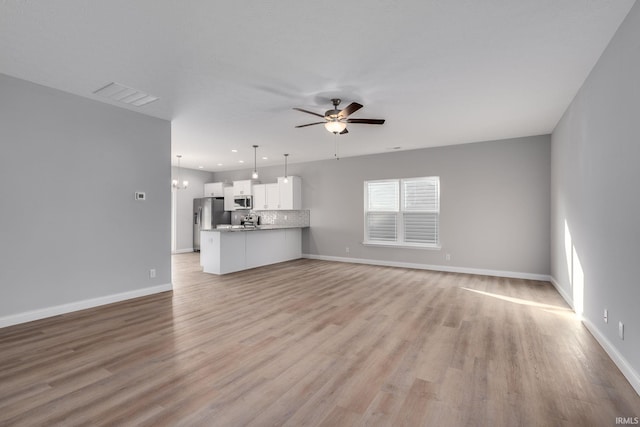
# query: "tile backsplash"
{"points": [[291, 218]]}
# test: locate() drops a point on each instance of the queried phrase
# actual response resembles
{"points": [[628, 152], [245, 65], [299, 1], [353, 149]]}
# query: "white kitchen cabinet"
{"points": [[223, 252], [266, 197], [290, 193], [214, 189], [278, 196], [228, 199], [273, 196], [244, 187], [259, 197]]}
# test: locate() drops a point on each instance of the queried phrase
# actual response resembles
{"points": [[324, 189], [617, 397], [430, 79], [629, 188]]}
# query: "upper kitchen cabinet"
{"points": [[279, 195], [266, 197], [228, 199], [243, 188], [214, 189], [290, 197]]}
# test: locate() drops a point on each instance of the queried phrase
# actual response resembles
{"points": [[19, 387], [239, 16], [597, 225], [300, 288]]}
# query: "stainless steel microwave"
{"points": [[243, 202]]}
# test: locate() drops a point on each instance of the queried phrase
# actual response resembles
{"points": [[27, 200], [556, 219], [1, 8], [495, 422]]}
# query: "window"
{"points": [[402, 212]]}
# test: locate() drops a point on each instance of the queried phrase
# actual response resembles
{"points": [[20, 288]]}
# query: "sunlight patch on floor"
{"points": [[547, 307]]}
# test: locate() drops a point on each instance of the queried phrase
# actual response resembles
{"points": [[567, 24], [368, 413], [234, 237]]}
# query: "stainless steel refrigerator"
{"points": [[208, 212]]}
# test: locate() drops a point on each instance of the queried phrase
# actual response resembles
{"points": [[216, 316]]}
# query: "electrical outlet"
{"points": [[447, 257], [621, 330], [152, 273], [285, 217], [346, 249], [605, 316]]}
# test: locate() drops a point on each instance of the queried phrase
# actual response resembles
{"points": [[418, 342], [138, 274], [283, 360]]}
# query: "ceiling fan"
{"points": [[335, 121]]}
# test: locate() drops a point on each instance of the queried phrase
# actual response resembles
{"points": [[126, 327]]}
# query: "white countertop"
{"points": [[258, 228]]}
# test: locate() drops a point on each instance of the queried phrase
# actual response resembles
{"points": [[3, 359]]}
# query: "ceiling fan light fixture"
{"points": [[335, 121], [335, 126]]}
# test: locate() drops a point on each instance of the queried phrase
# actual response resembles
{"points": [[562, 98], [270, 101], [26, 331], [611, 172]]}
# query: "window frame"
{"points": [[400, 226]]}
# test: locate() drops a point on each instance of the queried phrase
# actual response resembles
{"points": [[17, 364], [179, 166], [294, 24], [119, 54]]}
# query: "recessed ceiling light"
{"points": [[200, 167], [234, 151], [240, 161], [265, 158], [126, 95], [219, 164]]}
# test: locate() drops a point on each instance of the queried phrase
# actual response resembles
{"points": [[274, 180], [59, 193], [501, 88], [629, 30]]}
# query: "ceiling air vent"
{"points": [[125, 94]]}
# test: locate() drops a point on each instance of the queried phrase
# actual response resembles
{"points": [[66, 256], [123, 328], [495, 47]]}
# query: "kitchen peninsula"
{"points": [[273, 219], [227, 250]]}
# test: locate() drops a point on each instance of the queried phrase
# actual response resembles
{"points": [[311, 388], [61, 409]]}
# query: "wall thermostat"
{"points": [[140, 195]]}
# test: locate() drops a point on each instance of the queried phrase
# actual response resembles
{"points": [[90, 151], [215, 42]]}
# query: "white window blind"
{"points": [[404, 212], [383, 196], [382, 226], [421, 194], [421, 228]]}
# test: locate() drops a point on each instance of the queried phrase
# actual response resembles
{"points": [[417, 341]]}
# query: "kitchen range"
{"points": [[270, 231]]}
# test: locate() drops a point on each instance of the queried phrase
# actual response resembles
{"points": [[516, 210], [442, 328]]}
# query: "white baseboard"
{"points": [[627, 370], [450, 269], [29, 316], [182, 251]]}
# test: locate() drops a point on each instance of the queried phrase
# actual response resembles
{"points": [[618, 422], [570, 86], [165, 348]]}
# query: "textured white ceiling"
{"points": [[228, 73]]}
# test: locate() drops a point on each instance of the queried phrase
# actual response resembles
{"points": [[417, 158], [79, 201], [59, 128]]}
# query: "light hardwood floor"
{"points": [[316, 343]]}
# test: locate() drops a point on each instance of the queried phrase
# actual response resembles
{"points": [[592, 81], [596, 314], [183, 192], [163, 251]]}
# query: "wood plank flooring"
{"points": [[315, 343]]}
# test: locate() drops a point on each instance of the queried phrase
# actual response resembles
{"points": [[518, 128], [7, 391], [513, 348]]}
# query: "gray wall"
{"points": [[183, 208], [494, 203], [71, 229], [595, 178]]}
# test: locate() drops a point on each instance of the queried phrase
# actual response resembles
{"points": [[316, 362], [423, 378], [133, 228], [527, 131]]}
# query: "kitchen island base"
{"points": [[223, 252]]}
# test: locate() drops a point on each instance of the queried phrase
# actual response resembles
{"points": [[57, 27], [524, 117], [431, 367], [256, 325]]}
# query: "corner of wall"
{"points": [[562, 292]]}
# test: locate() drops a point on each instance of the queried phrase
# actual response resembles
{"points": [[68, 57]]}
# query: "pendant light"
{"points": [[177, 184], [254, 175], [286, 179]]}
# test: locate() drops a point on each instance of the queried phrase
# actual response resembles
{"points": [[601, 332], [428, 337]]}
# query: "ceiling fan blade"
{"points": [[310, 124], [308, 112], [344, 131], [349, 110], [367, 121]]}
